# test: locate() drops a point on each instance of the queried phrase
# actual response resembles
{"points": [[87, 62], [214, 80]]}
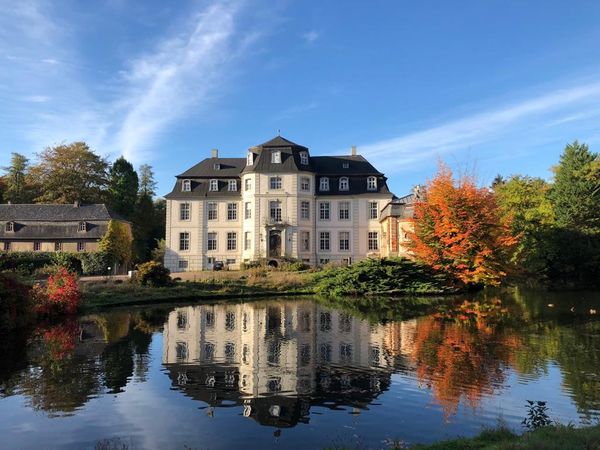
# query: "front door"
{"points": [[275, 243]]}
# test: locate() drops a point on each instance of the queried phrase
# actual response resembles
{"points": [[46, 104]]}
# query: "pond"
{"points": [[297, 373]]}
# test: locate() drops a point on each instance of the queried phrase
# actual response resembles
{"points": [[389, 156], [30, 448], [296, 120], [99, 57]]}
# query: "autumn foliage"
{"points": [[60, 295], [459, 229]]}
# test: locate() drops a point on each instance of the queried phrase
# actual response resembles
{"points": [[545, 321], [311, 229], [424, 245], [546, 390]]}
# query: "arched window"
{"points": [[324, 184], [186, 186], [372, 183], [344, 184]]}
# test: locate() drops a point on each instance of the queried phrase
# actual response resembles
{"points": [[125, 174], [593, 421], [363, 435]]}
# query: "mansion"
{"points": [[279, 202]]}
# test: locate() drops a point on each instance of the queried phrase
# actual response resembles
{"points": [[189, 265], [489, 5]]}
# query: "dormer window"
{"points": [[217, 166], [186, 185], [276, 157], [82, 227], [250, 158], [213, 186], [372, 183], [10, 226], [344, 184], [345, 165], [232, 185], [304, 158], [324, 184]]}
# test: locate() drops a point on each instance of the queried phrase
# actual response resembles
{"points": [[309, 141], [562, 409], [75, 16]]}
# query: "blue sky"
{"points": [[499, 86]]}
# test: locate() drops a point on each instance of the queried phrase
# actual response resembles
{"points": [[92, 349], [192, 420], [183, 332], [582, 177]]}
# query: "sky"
{"points": [[492, 87]]}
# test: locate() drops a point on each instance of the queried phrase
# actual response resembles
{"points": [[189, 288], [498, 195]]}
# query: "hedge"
{"points": [[84, 263]]}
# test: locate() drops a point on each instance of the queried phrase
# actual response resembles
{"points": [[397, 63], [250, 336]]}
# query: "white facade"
{"points": [[285, 213]]}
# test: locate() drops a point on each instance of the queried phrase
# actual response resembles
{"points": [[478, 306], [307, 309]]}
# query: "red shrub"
{"points": [[60, 296]]}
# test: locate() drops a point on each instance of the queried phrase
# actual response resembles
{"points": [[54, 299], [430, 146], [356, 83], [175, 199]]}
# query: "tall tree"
{"points": [[459, 229], [147, 183], [71, 172], [575, 194], [144, 219], [17, 187], [123, 187]]}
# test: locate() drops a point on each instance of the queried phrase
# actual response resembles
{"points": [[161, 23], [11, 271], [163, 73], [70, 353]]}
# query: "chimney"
{"points": [[354, 150], [214, 153], [76, 204]]}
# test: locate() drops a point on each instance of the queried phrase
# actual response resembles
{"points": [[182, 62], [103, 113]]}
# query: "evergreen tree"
{"points": [[147, 183], [575, 194], [123, 187], [143, 226], [17, 187]]}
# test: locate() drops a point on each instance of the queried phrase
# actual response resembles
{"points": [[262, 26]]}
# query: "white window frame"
{"points": [[324, 241], [275, 183], [373, 240], [305, 210], [275, 156], [184, 241], [247, 210], [186, 186], [231, 241], [58, 246], [213, 185], [373, 210], [371, 183], [247, 184], [275, 210], [232, 185], [185, 211], [210, 211], [324, 212], [81, 246], [232, 211], [248, 240], [324, 184], [37, 246], [342, 209], [346, 240], [344, 184], [305, 184], [250, 159], [9, 227], [212, 241], [217, 166], [304, 158], [305, 237], [183, 264]]}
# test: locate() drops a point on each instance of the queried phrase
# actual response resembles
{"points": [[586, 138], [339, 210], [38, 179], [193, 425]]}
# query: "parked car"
{"points": [[218, 265]]}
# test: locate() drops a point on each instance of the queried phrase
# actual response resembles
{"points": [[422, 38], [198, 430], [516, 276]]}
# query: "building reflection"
{"points": [[277, 358]]}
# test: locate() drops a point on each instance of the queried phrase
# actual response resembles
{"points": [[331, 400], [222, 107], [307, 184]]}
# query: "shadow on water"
{"points": [[281, 361]]}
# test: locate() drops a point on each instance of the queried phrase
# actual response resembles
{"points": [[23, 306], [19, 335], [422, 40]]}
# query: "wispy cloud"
{"points": [[518, 118], [293, 111], [310, 36]]}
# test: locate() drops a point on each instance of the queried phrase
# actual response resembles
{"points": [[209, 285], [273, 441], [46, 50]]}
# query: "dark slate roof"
{"points": [[402, 208], [290, 159], [200, 189], [55, 213], [279, 141], [334, 165], [356, 185], [229, 167], [54, 231]]}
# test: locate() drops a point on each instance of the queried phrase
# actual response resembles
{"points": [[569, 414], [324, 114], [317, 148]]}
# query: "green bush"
{"points": [[25, 262], [153, 274], [41, 263], [383, 276], [94, 263], [293, 266], [70, 261]]}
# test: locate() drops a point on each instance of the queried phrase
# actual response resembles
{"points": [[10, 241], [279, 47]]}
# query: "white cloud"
{"points": [[521, 117], [311, 36]]}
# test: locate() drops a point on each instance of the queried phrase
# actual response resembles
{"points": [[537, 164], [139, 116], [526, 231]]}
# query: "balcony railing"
{"points": [[272, 221]]}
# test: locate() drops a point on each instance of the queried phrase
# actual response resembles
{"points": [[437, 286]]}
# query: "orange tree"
{"points": [[459, 229]]}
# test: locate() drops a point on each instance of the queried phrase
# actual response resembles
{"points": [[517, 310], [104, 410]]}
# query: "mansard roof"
{"points": [[279, 141], [228, 167], [334, 165], [57, 213]]}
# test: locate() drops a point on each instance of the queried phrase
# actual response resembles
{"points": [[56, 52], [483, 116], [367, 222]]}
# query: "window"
{"points": [[325, 321], [345, 323], [10, 226], [247, 240], [212, 211], [323, 261], [345, 353], [230, 261], [275, 182], [186, 186], [325, 352], [58, 246], [232, 240], [230, 321], [344, 184], [82, 227], [213, 186], [184, 241], [305, 355], [229, 352], [373, 240], [372, 183], [305, 184], [231, 211], [324, 211], [373, 210], [305, 321], [345, 165], [344, 241], [247, 184], [305, 210], [275, 210], [81, 246], [305, 237], [6, 246], [184, 211], [183, 264], [303, 158], [324, 241], [324, 184], [181, 351], [374, 355], [209, 319], [209, 351], [250, 158], [248, 210], [37, 246], [344, 209], [232, 185], [276, 157], [211, 243]]}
